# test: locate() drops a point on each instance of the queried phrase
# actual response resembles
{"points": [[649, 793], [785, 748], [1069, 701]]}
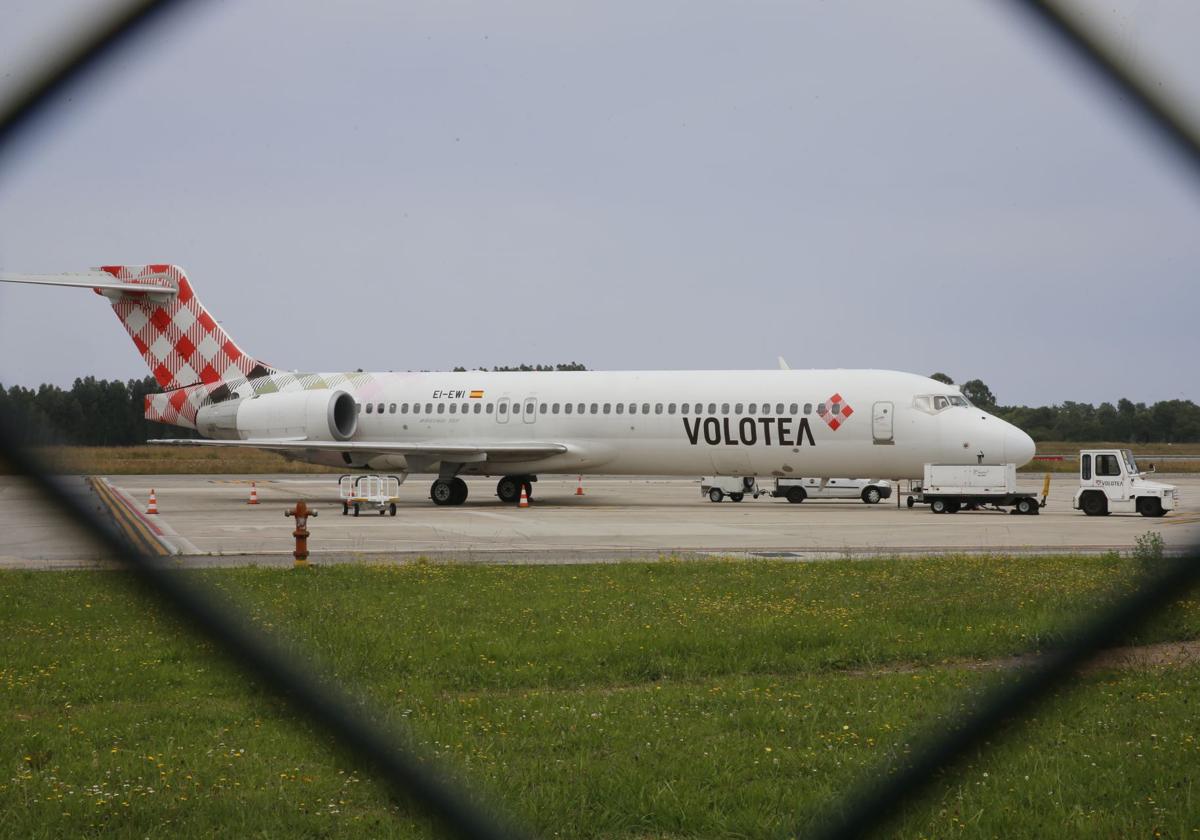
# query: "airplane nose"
{"points": [[1018, 446]]}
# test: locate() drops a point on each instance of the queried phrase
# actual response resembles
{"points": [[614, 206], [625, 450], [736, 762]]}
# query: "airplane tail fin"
{"points": [[180, 341]]}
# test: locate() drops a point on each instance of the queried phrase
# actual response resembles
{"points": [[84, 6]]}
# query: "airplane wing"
{"points": [[499, 451]]}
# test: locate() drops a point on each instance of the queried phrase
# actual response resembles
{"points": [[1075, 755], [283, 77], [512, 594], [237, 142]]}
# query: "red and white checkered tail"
{"points": [[181, 342]]}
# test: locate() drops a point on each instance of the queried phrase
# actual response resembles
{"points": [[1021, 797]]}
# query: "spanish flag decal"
{"points": [[477, 395]]}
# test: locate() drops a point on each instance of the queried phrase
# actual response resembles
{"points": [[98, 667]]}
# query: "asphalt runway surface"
{"points": [[205, 520]]}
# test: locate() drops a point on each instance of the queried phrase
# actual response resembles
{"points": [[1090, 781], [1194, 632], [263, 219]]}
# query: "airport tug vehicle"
{"points": [[1110, 482], [949, 489]]}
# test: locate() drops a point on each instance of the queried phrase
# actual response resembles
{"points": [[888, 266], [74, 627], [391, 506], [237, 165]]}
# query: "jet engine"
{"points": [[320, 414]]}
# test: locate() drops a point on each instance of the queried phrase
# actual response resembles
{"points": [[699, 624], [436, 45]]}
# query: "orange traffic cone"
{"points": [[579, 488], [153, 508], [253, 494], [524, 498]]}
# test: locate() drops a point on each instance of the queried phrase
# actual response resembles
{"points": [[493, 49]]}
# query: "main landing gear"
{"points": [[448, 491], [509, 488]]}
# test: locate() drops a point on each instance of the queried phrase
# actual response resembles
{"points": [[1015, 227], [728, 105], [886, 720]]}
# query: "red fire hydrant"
{"points": [[301, 512]]}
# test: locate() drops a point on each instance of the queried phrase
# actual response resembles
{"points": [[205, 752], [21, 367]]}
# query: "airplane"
{"points": [[514, 425]]}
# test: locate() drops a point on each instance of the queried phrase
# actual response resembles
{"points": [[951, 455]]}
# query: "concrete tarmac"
{"points": [[205, 520]]}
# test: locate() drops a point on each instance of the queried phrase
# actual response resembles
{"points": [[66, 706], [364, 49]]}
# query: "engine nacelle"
{"points": [[321, 414]]}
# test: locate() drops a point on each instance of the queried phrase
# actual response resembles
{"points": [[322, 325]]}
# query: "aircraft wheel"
{"points": [[715, 495], [872, 495], [736, 497], [508, 489], [460, 491], [442, 492], [528, 489], [796, 495]]}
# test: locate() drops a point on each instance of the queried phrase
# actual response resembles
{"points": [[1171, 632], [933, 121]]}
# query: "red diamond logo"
{"points": [[837, 412]]}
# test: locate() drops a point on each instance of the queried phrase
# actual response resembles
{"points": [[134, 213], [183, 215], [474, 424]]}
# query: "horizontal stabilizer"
{"points": [[95, 280]]}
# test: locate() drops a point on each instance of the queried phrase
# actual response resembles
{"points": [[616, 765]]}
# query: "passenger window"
{"points": [[608, 408], [808, 408], [766, 408], [595, 407], [392, 408], [554, 408], [645, 408], [429, 408], [503, 408], [795, 409], [820, 408], [712, 408], [454, 408], [658, 408], [579, 408], [567, 408], [404, 408], [441, 408], [1107, 465], [779, 408], [466, 408], [620, 408], [737, 409], [478, 408], [416, 408], [543, 409], [633, 408], [370, 408], [837, 408], [751, 409], [489, 408], [379, 409], [683, 408], [670, 408], [359, 407], [1085, 468]]}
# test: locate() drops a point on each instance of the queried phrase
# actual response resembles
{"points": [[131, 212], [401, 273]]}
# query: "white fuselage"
{"points": [[686, 423]]}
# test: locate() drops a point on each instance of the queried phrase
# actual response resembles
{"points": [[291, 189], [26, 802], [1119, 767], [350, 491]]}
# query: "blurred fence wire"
{"points": [[417, 780]]}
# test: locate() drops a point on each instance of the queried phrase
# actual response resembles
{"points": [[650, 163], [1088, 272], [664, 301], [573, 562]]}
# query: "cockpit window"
{"points": [[934, 403]]}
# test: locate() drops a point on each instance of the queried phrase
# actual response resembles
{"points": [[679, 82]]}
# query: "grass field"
{"points": [[633, 700], [166, 460]]}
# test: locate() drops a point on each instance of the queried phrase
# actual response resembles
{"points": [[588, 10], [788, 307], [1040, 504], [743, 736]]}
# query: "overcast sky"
{"points": [[915, 185]]}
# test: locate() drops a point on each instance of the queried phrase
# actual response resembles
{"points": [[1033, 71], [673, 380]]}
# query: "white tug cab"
{"points": [[1110, 482]]}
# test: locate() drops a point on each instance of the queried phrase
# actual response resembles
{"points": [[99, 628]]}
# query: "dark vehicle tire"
{"points": [[939, 506], [953, 507], [1026, 506], [715, 495], [871, 495], [356, 508], [748, 483], [392, 509], [345, 509], [736, 497], [796, 495], [911, 501], [508, 489], [1149, 506], [460, 491], [1094, 504]]}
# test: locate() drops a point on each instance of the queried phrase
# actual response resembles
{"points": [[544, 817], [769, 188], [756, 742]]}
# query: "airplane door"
{"points": [[502, 410], [881, 423], [530, 409]]}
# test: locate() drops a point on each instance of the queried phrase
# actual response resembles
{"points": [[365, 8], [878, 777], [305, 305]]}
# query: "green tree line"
{"points": [[99, 412], [1168, 421]]}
